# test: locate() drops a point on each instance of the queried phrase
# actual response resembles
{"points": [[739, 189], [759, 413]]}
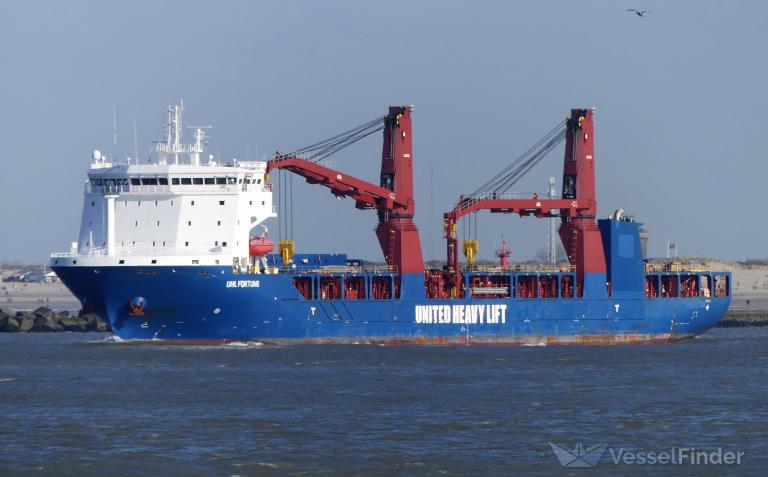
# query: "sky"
{"points": [[680, 99]]}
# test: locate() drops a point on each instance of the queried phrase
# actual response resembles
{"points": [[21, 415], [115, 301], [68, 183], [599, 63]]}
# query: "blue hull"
{"points": [[212, 304]]}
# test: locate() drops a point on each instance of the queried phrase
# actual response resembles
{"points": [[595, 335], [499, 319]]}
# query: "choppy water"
{"points": [[75, 406]]}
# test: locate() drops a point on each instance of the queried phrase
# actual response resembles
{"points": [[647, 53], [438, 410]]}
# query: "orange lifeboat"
{"points": [[260, 246]]}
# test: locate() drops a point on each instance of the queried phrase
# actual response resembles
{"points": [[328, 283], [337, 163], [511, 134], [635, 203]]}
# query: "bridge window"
{"points": [[162, 181], [231, 180], [197, 180], [175, 181], [186, 181], [149, 181], [135, 181], [210, 181], [221, 181]]}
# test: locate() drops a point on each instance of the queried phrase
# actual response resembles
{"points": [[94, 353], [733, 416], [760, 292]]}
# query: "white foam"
{"points": [[109, 339], [244, 344]]}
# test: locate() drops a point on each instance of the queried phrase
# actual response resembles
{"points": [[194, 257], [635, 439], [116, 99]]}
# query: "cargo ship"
{"points": [[175, 249]]}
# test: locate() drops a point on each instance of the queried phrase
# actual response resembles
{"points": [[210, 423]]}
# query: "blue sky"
{"points": [[680, 99]]}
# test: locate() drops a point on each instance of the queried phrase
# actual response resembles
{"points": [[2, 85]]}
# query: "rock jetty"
{"points": [[744, 318], [44, 319]]}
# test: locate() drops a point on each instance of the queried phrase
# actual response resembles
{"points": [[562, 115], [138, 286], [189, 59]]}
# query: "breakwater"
{"points": [[744, 318], [43, 319]]}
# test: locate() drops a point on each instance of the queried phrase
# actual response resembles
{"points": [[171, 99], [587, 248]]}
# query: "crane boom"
{"points": [[365, 194], [577, 208], [392, 198]]}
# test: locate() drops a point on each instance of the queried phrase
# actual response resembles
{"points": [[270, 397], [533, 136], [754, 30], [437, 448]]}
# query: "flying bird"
{"points": [[639, 13]]}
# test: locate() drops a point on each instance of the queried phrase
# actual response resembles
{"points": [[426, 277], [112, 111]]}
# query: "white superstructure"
{"points": [[178, 209]]}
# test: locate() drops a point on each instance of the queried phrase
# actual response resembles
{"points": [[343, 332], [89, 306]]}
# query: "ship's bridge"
{"points": [[141, 178], [172, 211]]}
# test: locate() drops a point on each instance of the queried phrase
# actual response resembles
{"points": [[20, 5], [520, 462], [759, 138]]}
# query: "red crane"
{"points": [[577, 208], [392, 198]]}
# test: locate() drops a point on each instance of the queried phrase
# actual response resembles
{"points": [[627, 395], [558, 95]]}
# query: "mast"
{"points": [[172, 145]]}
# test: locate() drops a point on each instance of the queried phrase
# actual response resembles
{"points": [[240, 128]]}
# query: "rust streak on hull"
{"points": [[462, 340]]}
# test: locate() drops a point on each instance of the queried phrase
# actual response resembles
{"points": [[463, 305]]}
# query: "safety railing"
{"points": [[306, 157], [161, 189], [676, 267], [338, 269], [148, 248], [535, 268], [468, 202]]}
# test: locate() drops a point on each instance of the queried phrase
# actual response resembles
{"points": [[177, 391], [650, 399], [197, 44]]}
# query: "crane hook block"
{"points": [[469, 248], [286, 249]]}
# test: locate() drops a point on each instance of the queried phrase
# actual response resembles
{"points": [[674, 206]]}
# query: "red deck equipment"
{"points": [[392, 199], [577, 207]]}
